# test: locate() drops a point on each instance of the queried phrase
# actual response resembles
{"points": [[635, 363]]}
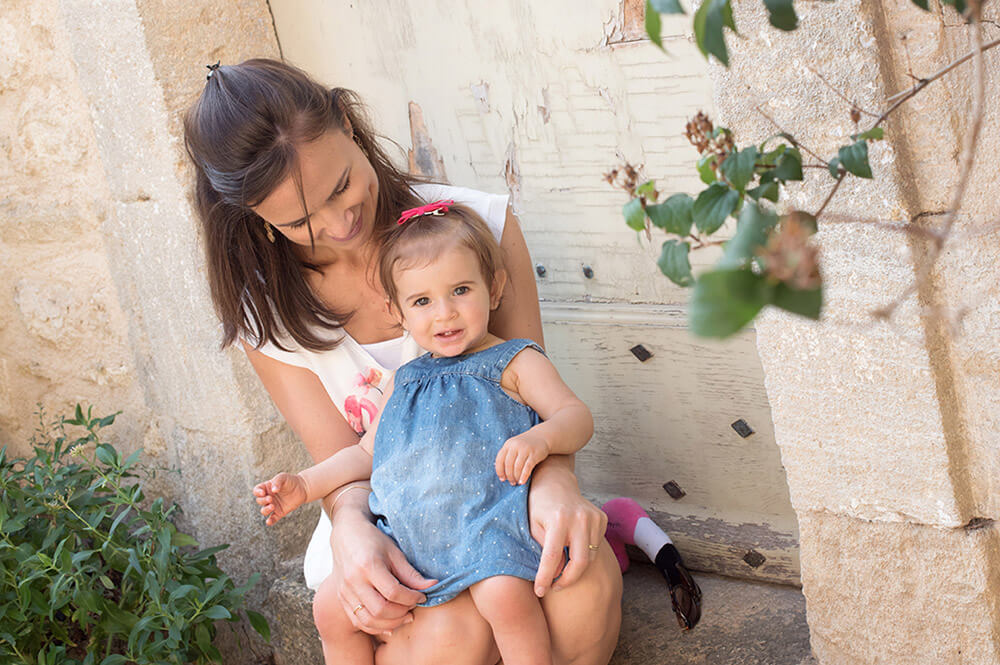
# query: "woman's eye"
{"points": [[338, 192], [461, 290]]}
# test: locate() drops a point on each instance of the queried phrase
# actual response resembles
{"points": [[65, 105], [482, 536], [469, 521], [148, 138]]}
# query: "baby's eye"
{"points": [[420, 302], [461, 290]]}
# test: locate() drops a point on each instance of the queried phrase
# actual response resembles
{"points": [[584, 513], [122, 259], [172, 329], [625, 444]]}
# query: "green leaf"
{"points": [[834, 167], [724, 301], [873, 134], [653, 25], [107, 454], [673, 215], [259, 623], [751, 232], [647, 189], [203, 637], [131, 459], [806, 303], [106, 581], [922, 4], [789, 166], [107, 420], [768, 190], [635, 216], [739, 167], [959, 5], [705, 170], [217, 612], [674, 262], [667, 6], [180, 592], [709, 21], [854, 158], [782, 14], [712, 207], [178, 539]]}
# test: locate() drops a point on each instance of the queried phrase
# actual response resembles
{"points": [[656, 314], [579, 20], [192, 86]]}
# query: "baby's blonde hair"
{"points": [[421, 240]]}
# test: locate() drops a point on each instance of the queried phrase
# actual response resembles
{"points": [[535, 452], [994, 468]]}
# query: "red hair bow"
{"points": [[436, 208]]}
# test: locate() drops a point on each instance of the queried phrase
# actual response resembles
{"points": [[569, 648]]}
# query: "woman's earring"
{"points": [[269, 231]]}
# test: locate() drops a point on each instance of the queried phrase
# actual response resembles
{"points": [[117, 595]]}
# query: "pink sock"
{"points": [[622, 514]]}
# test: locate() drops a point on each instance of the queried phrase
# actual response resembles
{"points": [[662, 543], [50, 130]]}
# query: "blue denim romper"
{"points": [[434, 485]]}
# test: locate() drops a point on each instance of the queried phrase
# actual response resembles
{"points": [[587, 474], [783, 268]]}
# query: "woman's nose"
{"points": [[337, 222]]}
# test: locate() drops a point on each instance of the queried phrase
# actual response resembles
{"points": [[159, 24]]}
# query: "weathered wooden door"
{"points": [[540, 99]]}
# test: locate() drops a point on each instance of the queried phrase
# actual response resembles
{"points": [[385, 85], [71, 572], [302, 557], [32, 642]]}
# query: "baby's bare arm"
{"points": [[567, 424]]}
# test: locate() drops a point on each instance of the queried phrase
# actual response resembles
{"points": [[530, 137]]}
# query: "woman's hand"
{"points": [[371, 572], [560, 517]]}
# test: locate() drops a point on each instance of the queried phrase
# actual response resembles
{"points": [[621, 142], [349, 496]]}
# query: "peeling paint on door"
{"points": [[539, 99]]}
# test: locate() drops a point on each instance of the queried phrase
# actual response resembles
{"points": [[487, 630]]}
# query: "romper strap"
{"points": [[505, 352]]}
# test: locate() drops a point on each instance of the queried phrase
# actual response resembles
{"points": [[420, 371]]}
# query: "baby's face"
{"points": [[446, 304]]}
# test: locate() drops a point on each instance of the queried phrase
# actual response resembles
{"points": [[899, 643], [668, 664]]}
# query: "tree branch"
{"points": [[967, 159]]}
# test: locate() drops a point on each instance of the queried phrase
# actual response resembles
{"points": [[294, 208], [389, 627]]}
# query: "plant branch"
{"points": [[853, 104], [966, 161], [833, 190], [905, 95], [783, 130]]}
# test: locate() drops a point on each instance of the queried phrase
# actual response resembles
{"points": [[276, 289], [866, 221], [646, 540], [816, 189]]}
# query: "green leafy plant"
{"points": [[770, 259], [93, 573]]}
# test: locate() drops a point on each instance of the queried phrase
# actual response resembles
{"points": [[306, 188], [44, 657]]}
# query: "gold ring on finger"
{"points": [[360, 607], [594, 547]]}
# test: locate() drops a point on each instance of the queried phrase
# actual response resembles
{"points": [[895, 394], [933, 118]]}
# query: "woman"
{"points": [[295, 195]]}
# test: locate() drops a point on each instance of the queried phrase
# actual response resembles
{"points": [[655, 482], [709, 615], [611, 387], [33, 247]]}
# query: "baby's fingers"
{"points": [[502, 461]]}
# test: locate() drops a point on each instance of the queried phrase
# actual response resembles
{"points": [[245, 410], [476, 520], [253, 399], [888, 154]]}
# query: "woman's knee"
{"points": [[585, 618], [328, 613]]}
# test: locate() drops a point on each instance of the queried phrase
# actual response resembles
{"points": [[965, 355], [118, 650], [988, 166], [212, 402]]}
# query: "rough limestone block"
{"points": [[875, 419], [900, 594], [293, 634]]}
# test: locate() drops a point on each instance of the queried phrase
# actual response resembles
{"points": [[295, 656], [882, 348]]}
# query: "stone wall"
{"points": [[887, 428], [103, 299]]}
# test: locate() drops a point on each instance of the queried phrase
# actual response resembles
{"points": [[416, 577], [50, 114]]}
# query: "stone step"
{"points": [[743, 623]]}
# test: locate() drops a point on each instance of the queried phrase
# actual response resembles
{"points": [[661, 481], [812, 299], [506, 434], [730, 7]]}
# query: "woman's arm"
{"points": [[305, 404], [559, 515], [518, 315]]}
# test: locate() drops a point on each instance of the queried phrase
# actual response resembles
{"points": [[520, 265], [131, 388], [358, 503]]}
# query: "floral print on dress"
{"points": [[370, 378], [358, 407]]}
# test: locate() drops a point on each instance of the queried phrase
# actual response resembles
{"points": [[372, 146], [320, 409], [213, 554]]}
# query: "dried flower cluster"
{"points": [[626, 177], [789, 257], [701, 133]]}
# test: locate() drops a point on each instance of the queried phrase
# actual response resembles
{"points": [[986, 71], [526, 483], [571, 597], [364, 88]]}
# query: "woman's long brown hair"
{"points": [[243, 136]]}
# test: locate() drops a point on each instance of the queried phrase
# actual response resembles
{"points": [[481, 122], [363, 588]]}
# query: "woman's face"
{"points": [[340, 189]]}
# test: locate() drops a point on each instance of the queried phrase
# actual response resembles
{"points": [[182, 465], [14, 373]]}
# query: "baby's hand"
{"points": [[519, 456], [280, 495]]}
